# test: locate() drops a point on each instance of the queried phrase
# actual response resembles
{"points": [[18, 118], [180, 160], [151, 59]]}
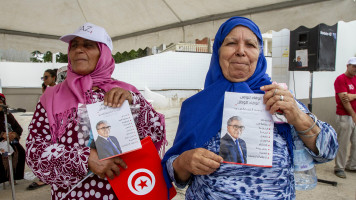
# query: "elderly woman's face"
{"points": [[238, 54], [84, 55]]}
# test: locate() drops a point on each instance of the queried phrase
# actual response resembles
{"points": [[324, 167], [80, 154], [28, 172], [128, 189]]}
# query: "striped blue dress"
{"points": [[232, 181]]}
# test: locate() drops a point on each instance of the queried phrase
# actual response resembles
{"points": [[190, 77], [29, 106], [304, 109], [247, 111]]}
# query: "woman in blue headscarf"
{"points": [[238, 65]]}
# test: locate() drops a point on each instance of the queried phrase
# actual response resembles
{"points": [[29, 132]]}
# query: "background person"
{"points": [[238, 65], [49, 77], [232, 147], [105, 144], [18, 157], [56, 145], [345, 95]]}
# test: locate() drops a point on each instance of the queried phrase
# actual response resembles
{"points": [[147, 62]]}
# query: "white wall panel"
{"points": [[24, 75], [170, 70]]}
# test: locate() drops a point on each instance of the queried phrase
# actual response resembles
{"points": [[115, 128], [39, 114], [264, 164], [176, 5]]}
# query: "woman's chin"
{"points": [[237, 79], [82, 72]]}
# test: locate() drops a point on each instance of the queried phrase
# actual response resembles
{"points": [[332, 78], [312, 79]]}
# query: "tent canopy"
{"points": [[132, 24]]}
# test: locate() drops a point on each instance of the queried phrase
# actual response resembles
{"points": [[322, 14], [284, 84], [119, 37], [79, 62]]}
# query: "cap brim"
{"points": [[68, 38]]}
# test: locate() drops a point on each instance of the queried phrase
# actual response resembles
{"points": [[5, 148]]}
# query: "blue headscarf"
{"points": [[201, 115]]}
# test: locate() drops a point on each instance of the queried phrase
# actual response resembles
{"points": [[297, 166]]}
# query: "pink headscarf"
{"points": [[62, 100]]}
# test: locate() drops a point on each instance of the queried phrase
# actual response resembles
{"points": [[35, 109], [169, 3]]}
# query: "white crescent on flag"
{"points": [[141, 181]]}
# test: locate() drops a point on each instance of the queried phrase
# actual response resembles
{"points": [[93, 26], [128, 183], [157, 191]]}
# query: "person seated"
{"points": [[18, 156], [58, 150], [238, 65]]}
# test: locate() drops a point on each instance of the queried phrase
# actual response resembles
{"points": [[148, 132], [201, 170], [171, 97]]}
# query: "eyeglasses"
{"points": [[105, 127], [44, 78], [238, 127]]}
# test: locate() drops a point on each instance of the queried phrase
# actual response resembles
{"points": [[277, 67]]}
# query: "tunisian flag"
{"points": [[143, 178]]}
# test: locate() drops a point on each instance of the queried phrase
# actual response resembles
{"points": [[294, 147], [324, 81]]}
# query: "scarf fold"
{"points": [[201, 115], [60, 100]]}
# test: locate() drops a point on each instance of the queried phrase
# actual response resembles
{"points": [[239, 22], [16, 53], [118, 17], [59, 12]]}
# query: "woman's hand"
{"points": [[296, 117], [279, 99], [116, 97], [12, 135], [196, 161], [107, 167]]}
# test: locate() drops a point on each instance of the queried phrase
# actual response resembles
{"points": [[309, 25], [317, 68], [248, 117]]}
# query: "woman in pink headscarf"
{"points": [[57, 146]]}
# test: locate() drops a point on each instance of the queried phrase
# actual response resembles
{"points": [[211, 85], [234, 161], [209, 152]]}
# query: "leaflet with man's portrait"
{"points": [[114, 130], [246, 130]]}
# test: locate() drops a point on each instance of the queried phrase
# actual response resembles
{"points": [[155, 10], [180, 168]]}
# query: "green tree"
{"points": [[36, 56], [61, 58], [47, 57], [125, 56]]}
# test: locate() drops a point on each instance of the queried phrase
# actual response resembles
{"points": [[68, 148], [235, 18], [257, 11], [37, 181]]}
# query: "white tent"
{"points": [[37, 24]]}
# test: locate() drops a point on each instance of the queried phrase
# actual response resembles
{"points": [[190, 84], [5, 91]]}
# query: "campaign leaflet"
{"points": [[114, 130], [246, 131]]}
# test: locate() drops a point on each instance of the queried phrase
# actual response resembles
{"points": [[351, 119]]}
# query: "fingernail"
{"points": [[262, 87], [105, 103], [110, 104]]}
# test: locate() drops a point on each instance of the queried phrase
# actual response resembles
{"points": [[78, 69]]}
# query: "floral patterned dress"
{"points": [[64, 163]]}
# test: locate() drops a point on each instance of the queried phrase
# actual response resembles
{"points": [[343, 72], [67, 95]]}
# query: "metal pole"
{"points": [[4, 108], [310, 105]]}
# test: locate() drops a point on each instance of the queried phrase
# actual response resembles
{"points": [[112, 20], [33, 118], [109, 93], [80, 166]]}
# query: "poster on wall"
{"points": [[301, 56]]}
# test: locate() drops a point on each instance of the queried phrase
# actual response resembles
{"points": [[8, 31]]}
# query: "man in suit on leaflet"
{"points": [[232, 147], [106, 145]]}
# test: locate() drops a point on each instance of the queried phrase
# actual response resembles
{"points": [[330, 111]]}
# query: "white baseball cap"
{"points": [[91, 32], [352, 61]]}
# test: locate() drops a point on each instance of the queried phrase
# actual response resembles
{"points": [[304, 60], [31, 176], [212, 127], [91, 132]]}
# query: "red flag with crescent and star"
{"points": [[143, 178]]}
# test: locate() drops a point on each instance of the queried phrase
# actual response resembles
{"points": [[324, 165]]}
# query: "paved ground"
{"points": [[345, 190]]}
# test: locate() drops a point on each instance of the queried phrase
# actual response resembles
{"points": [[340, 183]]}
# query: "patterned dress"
{"points": [[232, 181], [64, 163]]}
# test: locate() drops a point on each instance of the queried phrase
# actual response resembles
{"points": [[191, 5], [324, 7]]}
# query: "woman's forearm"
{"points": [[309, 137], [180, 173]]}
